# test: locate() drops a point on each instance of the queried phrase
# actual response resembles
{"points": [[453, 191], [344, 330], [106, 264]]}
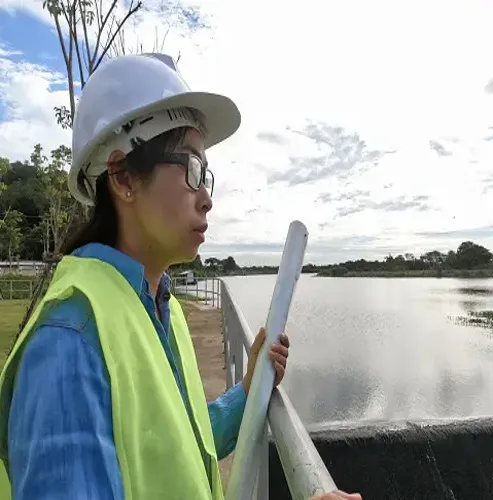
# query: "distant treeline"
{"points": [[220, 267], [469, 260]]}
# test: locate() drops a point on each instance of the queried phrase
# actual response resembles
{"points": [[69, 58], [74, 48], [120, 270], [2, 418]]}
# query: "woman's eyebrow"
{"points": [[196, 153]]}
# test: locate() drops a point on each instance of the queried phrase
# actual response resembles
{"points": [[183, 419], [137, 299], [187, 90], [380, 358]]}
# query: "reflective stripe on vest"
{"points": [[157, 449]]}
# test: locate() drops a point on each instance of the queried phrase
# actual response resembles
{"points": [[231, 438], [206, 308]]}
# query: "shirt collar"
{"points": [[131, 269]]}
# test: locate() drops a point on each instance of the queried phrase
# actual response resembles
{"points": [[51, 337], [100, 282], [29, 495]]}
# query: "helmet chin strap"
{"points": [[136, 132]]}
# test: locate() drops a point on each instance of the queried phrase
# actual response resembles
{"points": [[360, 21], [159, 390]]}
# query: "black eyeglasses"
{"points": [[196, 173]]}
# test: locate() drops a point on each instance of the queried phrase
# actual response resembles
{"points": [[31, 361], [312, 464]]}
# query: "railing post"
{"points": [[11, 289], [206, 290], [238, 350], [225, 336], [226, 306]]}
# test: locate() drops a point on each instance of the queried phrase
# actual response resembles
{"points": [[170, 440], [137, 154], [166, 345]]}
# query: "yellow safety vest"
{"points": [[159, 453]]}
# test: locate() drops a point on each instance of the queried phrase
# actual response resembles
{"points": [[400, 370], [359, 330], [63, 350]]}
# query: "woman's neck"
{"points": [[154, 267]]}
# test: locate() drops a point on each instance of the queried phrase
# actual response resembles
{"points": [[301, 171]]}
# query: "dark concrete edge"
{"points": [[405, 430]]}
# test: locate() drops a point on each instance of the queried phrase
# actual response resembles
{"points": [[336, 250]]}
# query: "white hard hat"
{"points": [[133, 98]]}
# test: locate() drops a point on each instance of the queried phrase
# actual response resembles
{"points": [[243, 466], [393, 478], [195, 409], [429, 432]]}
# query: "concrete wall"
{"points": [[408, 461]]}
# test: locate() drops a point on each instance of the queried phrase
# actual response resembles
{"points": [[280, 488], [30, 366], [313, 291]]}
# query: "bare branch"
{"points": [[119, 46], [131, 11], [68, 57], [77, 51], [61, 40], [92, 65], [83, 16], [98, 15], [70, 74]]}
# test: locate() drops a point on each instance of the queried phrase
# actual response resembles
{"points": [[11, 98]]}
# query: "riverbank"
{"points": [[426, 273]]}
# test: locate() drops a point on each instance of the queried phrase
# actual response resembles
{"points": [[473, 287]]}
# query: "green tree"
{"points": [[4, 166], [213, 264], [451, 260], [470, 255], [229, 265], [433, 259], [54, 179], [197, 263], [11, 234]]}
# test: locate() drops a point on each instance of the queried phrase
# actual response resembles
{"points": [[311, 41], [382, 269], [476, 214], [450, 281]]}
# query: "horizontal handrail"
{"points": [[305, 471]]}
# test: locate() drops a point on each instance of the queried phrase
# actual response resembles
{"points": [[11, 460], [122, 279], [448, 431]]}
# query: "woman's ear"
{"points": [[120, 182]]}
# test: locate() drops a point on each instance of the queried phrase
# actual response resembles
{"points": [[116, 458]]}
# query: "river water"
{"points": [[368, 349]]}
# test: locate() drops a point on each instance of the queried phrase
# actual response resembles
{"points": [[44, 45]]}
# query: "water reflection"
{"points": [[475, 318], [380, 349], [477, 290], [338, 396]]}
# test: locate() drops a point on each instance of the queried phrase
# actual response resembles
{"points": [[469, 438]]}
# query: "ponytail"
{"points": [[102, 226]]}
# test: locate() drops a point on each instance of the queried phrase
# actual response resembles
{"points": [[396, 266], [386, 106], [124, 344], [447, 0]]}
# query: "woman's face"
{"points": [[171, 215]]}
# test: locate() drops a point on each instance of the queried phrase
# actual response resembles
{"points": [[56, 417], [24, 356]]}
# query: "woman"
{"points": [[107, 401]]}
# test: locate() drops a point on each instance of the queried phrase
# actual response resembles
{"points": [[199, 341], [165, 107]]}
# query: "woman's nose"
{"points": [[205, 199]]}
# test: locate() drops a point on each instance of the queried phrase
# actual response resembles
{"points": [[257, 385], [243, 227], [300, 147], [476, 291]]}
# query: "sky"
{"points": [[371, 122]]}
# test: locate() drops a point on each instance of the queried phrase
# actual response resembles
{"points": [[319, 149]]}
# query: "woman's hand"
{"points": [[338, 495], [278, 354]]}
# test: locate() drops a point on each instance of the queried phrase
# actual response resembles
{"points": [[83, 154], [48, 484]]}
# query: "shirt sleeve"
{"points": [[226, 413], [60, 433]]}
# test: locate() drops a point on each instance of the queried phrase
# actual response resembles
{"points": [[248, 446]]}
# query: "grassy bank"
{"points": [[426, 273], [11, 313]]}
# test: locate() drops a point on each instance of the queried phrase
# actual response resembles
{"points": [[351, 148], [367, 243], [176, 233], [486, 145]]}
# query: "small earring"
{"points": [[128, 194]]}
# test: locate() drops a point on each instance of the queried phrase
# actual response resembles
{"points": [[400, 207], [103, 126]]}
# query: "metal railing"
{"points": [[16, 289], [205, 290], [304, 469]]}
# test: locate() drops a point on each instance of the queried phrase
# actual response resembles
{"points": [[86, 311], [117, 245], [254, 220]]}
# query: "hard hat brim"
{"points": [[221, 120]]}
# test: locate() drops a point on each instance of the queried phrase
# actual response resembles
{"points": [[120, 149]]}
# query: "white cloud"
{"points": [[396, 76], [28, 98], [7, 52]]}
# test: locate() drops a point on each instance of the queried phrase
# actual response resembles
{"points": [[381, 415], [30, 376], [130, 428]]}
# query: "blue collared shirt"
{"points": [[60, 433]]}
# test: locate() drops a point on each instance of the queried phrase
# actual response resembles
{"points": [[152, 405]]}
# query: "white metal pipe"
{"points": [[244, 468]]}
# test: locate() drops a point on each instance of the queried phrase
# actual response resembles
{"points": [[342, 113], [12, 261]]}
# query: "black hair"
{"points": [[102, 226]]}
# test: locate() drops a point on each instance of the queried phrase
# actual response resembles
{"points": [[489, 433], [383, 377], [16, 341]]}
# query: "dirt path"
{"points": [[205, 326]]}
